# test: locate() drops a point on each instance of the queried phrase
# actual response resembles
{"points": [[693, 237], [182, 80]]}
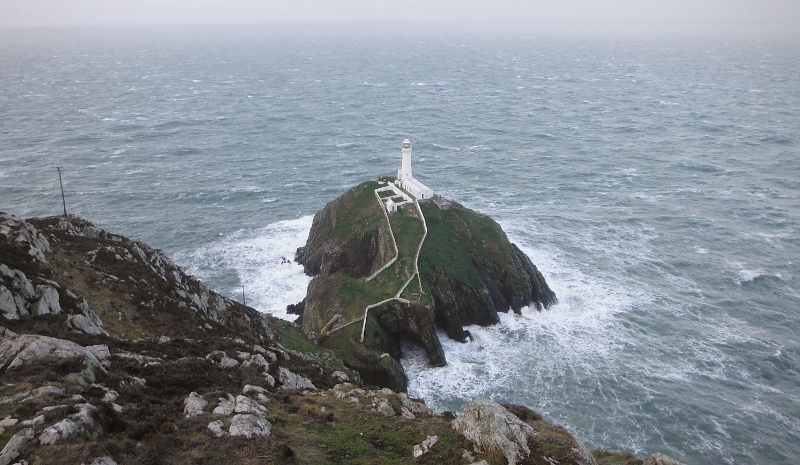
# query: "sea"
{"points": [[654, 181]]}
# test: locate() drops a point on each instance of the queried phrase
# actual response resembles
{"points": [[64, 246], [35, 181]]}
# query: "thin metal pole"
{"points": [[61, 183], [244, 302]]}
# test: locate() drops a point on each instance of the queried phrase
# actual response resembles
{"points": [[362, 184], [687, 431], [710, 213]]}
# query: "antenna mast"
{"points": [[61, 183]]}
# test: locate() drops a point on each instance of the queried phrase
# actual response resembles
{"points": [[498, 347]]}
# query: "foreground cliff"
{"points": [[468, 271], [111, 354]]}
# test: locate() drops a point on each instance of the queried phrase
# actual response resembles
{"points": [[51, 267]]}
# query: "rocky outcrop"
{"points": [[29, 349], [493, 428], [80, 423], [249, 426], [26, 235], [13, 447], [143, 284], [291, 380], [468, 269], [425, 446]]}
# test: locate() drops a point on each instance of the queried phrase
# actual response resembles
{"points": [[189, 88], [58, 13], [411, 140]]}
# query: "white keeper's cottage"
{"points": [[406, 180]]}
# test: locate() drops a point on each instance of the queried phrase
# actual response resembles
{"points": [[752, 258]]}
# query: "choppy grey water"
{"points": [[656, 183]]}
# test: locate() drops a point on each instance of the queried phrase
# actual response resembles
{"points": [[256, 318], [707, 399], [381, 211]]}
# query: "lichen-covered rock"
{"points": [[225, 406], [23, 232], [29, 348], [493, 428], [245, 404], [258, 361], [383, 406], [221, 358], [23, 285], [88, 321], [6, 423], [13, 447], [48, 303], [416, 407], [77, 423], [193, 405], [8, 304], [660, 459], [84, 324], [423, 447], [291, 380], [253, 389], [46, 391], [100, 351], [5, 271], [249, 426], [6, 333], [216, 428]]}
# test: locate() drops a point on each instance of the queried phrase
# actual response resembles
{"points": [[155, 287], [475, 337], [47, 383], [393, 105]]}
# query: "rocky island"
{"points": [[447, 267], [111, 354]]}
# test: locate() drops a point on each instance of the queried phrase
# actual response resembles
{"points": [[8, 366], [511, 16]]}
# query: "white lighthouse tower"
{"points": [[405, 169], [406, 180]]}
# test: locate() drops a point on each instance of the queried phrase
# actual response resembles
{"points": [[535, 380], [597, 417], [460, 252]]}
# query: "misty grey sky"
{"points": [[533, 14]]}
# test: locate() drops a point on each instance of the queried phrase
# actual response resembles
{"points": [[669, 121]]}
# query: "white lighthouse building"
{"points": [[406, 180]]}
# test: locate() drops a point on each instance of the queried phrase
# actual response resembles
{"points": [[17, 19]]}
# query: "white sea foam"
{"points": [[579, 334], [749, 275], [263, 261]]}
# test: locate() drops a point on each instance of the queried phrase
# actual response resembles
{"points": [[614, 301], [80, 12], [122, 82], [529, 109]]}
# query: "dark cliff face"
{"points": [[346, 225], [468, 270], [472, 271]]}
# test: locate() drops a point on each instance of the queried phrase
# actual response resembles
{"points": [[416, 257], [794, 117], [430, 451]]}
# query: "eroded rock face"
{"points": [[324, 253], [9, 307], [48, 303], [493, 428], [22, 284], [87, 321]]}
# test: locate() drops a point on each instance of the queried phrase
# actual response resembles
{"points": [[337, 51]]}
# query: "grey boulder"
{"points": [[14, 446], [249, 426], [48, 303], [291, 380], [28, 348], [491, 427]]}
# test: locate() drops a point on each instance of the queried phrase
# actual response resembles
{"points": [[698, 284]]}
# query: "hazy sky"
{"points": [[599, 14]]}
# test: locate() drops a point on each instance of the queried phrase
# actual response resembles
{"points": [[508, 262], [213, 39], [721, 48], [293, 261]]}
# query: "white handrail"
{"points": [[396, 252]]}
